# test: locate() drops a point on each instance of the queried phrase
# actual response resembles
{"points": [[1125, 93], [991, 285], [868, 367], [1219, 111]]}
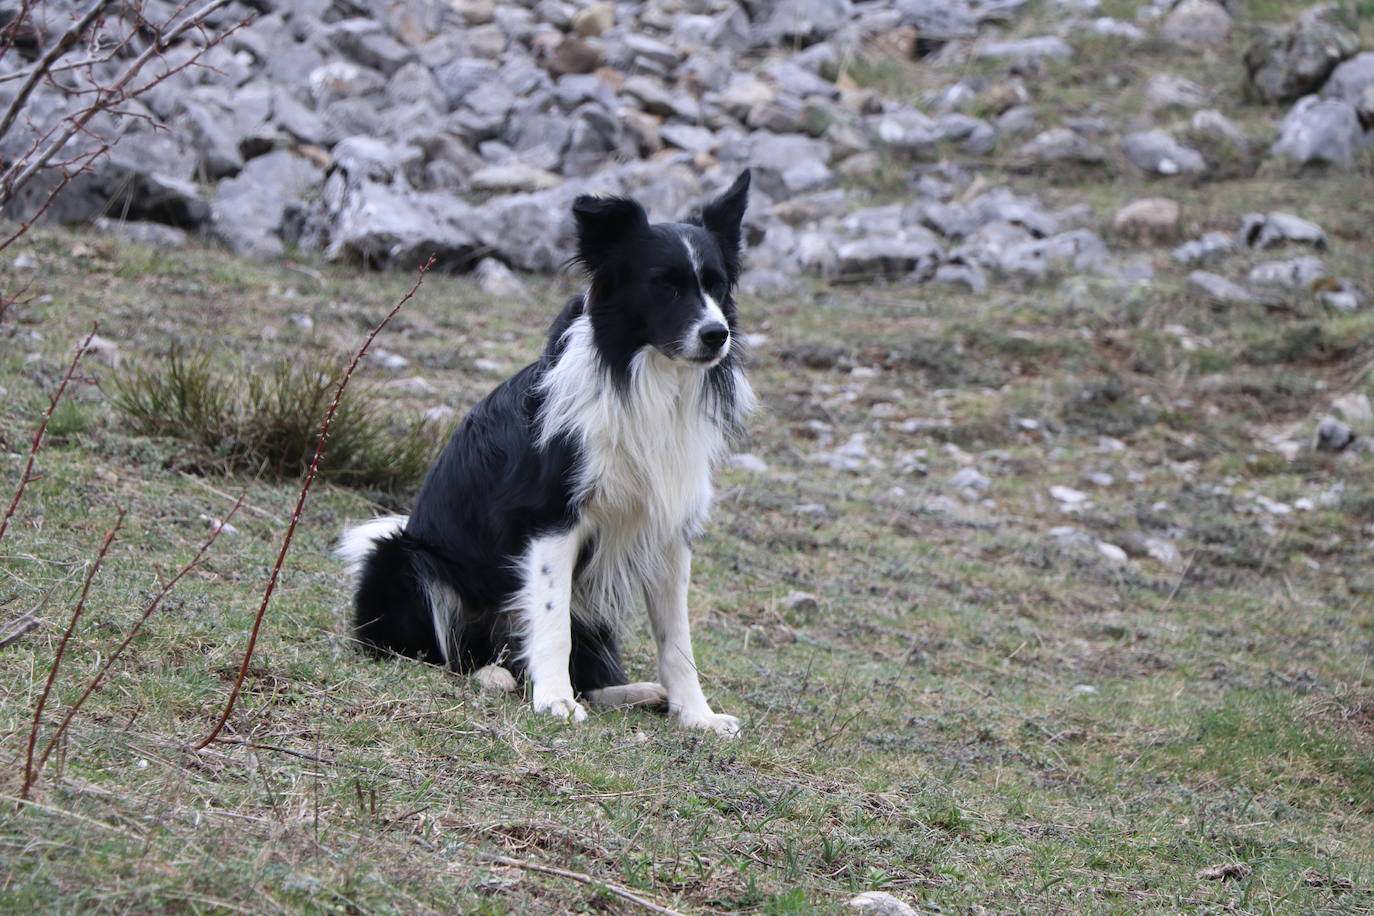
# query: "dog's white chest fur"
{"points": [[647, 455]]}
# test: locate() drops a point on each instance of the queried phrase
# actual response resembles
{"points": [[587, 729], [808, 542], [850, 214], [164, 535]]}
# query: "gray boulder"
{"points": [[1353, 82], [249, 210], [913, 253], [1156, 152], [1288, 63], [788, 164], [390, 226], [1318, 130]]}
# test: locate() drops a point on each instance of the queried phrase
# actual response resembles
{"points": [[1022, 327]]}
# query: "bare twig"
{"points": [[300, 506], [622, 892], [27, 476], [152, 606], [30, 774], [65, 43], [21, 626], [25, 168]]}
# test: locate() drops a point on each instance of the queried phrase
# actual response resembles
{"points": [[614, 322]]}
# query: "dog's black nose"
{"points": [[713, 336]]}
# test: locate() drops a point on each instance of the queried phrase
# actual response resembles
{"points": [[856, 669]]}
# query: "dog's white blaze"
{"points": [[712, 312], [545, 615], [356, 543], [647, 457]]}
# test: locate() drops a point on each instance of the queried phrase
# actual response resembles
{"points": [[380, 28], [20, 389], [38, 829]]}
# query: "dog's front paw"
{"points": [[717, 722], [565, 708]]}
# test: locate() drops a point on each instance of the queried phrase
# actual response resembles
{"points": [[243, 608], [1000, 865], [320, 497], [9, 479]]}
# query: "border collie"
{"points": [[578, 484]]}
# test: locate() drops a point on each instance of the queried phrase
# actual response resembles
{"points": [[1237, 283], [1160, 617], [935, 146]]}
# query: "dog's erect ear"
{"points": [[722, 218], [602, 224]]}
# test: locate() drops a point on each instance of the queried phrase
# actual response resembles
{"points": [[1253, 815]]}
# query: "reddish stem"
{"points": [[27, 476], [30, 772], [300, 505]]}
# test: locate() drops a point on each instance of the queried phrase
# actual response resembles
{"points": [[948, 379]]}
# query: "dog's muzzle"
{"points": [[711, 340]]}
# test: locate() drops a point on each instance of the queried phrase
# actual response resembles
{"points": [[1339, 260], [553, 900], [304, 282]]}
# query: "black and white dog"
{"points": [[578, 484]]}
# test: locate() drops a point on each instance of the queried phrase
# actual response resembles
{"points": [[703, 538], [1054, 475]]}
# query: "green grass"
{"points": [[976, 716]]}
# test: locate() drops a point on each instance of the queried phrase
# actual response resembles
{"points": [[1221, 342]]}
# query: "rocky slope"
{"points": [[383, 131]]}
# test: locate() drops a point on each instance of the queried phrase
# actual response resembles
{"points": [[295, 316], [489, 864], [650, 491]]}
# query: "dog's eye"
{"points": [[665, 286], [715, 286]]}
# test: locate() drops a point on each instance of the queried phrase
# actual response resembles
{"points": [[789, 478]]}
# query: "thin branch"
{"points": [[30, 774], [25, 624], [300, 506], [12, 181], [623, 892], [63, 44], [42, 430], [67, 176], [152, 606]]}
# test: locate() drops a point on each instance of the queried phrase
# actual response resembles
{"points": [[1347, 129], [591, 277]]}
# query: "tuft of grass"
{"points": [[266, 421]]}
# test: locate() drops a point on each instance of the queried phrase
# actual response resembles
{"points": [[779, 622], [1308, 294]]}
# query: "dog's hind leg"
{"points": [[545, 609], [667, 599]]}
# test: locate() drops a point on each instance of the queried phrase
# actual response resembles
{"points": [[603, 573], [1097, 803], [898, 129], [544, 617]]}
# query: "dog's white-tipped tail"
{"points": [[357, 542]]}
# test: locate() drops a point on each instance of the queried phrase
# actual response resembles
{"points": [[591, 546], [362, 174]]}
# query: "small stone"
{"points": [[389, 360], [1156, 152], [1061, 144], [801, 603], [1197, 24], [104, 351], [489, 366], [1112, 552], [747, 462], [215, 525], [513, 178], [1260, 230], [496, 279], [970, 479], [1154, 218], [1068, 496], [1229, 871], [1297, 273], [1218, 289], [1210, 245], [1027, 51], [881, 903], [25, 261], [1332, 435], [595, 19], [413, 385], [1165, 90]]}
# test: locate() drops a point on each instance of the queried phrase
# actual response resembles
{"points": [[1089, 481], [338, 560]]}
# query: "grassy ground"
{"points": [[975, 714]]}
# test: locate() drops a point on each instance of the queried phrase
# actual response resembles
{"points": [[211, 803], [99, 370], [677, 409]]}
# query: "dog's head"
{"points": [[664, 285]]}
